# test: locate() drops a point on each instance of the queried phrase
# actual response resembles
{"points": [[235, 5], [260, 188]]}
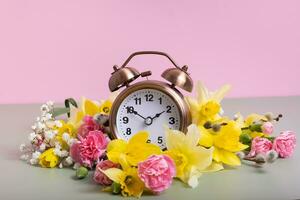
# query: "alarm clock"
{"points": [[149, 105]]}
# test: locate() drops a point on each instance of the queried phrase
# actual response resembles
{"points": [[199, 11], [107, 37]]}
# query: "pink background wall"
{"points": [[57, 49]]}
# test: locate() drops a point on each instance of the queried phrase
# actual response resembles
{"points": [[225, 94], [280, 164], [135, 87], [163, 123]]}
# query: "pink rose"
{"points": [[267, 128], [285, 143], [89, 149], [260, 145], [88, 125], [99, 176], [157, 172]]}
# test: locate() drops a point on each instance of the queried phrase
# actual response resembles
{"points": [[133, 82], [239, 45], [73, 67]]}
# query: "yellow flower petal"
{"points": [[206, 138], [135, 151], [193, 176], [214, 167], [114, 174], [194, 109], [174, 138], [90, 107], [140, 137], [105, 107], [115, 148], [202, 93], [220, 94], [227, 157]]}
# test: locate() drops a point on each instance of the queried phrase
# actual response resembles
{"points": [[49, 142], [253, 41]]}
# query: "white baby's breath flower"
{"points": [[50, 103], [36, 155], [69, 160], [58, 123], [64, 153], [40, 125], [45, 108], [49, 134], [24, 157], [42, 147], [57, 152], [60, 166], [72, 141], [22, 147], [31, 136], [33, 161], [48, 116], [66, 137], [76, 166], [33, 127]]}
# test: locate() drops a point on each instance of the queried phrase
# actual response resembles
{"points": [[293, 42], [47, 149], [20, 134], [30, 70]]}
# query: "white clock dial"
{"points": [[150, 110]]}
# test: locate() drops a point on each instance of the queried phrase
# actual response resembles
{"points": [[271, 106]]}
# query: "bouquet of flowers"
{"points": [[131, 168]]}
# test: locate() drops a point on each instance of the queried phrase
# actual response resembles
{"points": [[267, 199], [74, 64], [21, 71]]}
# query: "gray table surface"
{"points": [[280, 180]]}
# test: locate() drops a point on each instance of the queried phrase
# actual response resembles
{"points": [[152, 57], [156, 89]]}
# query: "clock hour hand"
{"points": [[157, 115]]}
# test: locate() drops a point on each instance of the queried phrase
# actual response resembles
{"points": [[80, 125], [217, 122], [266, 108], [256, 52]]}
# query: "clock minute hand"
{"points": [[136, 113]]}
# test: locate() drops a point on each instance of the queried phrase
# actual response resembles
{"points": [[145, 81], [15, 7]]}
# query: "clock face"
{"points": [[150, 110]]}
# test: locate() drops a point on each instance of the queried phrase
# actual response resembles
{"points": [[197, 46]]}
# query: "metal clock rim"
{"points": [[173, 93]]}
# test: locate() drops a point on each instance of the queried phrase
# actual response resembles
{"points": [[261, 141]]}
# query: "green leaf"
{"points": [[72, 102], [256, 127], [245, 138], [116, 188], [59, 111]]}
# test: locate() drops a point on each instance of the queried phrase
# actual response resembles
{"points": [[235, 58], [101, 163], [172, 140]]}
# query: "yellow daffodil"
{"points": [[66, 128], [48, 158], [206, 107], [127, 177], [190, 159], [88, 107], [135, 150], [225, 141]]}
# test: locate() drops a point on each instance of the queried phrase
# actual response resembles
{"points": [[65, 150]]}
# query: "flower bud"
{"points": [[260, 158], [216, 127], [207, 125], [81, 172], [271, 156], [240, 154]]}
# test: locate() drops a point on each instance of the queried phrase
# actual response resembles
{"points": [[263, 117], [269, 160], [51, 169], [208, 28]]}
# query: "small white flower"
{"points": [[57, 152], [22, 147], [33, 161], [60, 166], [49, 134], [64, 153], [24, 157], [33, 127], [58, 123], [69, 160], [44, 108], [50, 103], [42, 147], [66, 137], [31, 136], [48, 116], [76, 166], [36, 155], [72, 141], [41, 125]]}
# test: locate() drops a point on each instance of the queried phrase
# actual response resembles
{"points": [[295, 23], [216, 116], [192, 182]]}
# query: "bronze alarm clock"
{"points": [[149, 104]]}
